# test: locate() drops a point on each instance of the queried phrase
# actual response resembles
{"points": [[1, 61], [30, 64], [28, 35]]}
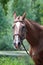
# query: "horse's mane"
{"points": [[35, 23]]}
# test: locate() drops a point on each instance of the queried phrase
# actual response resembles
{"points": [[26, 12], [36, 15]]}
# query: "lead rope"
{"points": [[25, 49]]}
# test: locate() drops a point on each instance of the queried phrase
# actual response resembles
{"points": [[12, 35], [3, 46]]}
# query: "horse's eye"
{"points": [[23, 28]]}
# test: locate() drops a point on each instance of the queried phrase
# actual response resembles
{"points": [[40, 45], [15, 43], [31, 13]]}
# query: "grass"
{"points": [[9, 60]]}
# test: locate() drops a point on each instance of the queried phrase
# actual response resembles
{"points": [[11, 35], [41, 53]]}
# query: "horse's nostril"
{"points": [[18, 43]]}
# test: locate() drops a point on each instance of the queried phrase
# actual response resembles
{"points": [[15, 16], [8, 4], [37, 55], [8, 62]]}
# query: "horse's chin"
{"points": [[18, 47]]}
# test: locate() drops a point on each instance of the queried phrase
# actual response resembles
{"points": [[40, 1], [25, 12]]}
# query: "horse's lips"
{"points": [[16, 46]]}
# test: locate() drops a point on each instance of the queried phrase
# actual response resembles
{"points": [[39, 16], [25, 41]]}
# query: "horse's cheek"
{"points": [[30, 52]]}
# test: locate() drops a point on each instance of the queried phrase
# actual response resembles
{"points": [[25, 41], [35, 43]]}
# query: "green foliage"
{"points": [[2, 19], [2, 24], [3, 2], [5, 36], [15, 61]]}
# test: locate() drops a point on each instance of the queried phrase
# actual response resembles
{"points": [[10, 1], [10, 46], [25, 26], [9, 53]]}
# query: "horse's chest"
{"points": [[36, 50], [37, 57], [33, 52]]}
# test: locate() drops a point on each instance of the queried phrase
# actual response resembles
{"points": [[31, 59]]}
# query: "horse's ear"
{"points": [[23, 15], [15, 15]]}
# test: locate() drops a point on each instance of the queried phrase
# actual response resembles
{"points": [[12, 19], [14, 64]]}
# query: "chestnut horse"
{"points": [[33, 32]]}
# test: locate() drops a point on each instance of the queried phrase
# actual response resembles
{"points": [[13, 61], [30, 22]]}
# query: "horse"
{"points": [[24, 28]]}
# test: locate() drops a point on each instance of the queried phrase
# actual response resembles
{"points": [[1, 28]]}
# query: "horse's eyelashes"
{"points": [[23, 27]]}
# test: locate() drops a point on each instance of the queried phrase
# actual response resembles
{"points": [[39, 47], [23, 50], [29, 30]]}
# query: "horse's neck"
{"points": [[33, 30]]}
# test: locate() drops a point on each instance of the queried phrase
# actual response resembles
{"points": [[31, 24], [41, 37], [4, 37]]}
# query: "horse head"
{"points": [[19, 29]]}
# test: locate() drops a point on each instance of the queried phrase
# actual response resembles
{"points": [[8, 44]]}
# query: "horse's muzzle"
{"points": [[17, 42], [17, 45]]}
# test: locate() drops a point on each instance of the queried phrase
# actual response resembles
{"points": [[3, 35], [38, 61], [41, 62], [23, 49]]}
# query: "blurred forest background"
{"points": [[34, 11]]}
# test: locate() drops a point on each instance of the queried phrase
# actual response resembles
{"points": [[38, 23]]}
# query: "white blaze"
{"points": [[16, 39], [18, 24]]}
